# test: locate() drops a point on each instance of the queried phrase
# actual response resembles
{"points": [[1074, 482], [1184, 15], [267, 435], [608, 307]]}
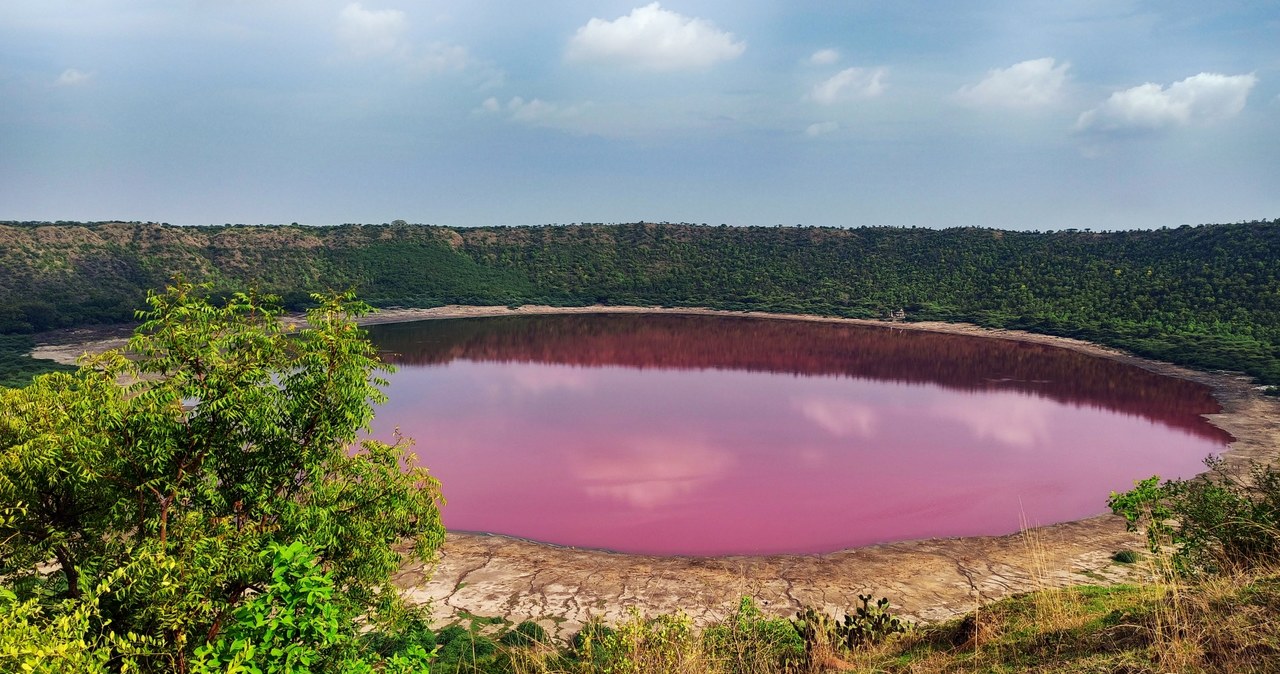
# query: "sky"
{"points": [[1102, 114]]}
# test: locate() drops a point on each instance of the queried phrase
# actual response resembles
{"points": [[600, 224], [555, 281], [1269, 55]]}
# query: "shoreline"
{"points": [[928, 580]]}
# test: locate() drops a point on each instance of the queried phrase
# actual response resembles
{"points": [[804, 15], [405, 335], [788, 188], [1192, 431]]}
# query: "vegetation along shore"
{"points": [[1201, 303]]}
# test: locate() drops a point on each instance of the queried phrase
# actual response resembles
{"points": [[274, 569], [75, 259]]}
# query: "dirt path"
{"points": [[927, 580]]}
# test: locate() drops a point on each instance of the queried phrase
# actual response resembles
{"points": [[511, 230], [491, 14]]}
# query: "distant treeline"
{"points": [[1206, 296], [669, 341]]}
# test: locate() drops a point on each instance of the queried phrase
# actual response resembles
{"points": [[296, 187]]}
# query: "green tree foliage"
{"points": [[1205, 296], [232, 435], [37, 637]]}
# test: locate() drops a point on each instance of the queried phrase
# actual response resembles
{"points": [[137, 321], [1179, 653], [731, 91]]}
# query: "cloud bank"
{"points": [[653, 38], [1200, 99]]}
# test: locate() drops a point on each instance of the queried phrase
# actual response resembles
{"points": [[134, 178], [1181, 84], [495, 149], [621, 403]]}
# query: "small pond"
{"points": [[715, 435]]}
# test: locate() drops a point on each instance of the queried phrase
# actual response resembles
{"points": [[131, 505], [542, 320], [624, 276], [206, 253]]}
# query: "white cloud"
{"points": [[72, 77], [370, 33], [653, 38], [532, 111], [1200, 99], [820, 128], [824, 57], [1028, 84], [850, 84], [381, 34], [537, 112]]}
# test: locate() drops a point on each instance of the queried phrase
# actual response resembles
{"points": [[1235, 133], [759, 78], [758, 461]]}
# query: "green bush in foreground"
{"points": [[295, 626], [1209, 524], [169, 500]]}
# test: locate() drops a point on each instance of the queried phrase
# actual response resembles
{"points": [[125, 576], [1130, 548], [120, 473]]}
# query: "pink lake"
{"points": [[710, 435]]}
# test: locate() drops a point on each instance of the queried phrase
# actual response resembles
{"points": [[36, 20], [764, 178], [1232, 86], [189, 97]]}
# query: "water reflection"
{"points": [[650, 471], [839, 417], [713, 435]]}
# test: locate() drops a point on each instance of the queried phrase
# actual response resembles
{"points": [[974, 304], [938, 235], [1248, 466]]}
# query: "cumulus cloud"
{"points": [[820, 129], [1028, 84], [368, 33], [654, 38], [849, 84], [1200, 99], [72, 77], [824, 57]]}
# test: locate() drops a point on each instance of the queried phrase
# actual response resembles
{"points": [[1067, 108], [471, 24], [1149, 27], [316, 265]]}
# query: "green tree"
{"points": [[233, 434]]}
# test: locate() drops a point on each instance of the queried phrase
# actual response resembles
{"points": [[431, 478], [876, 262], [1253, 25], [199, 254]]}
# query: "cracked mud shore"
{"points": [[927, 580]]}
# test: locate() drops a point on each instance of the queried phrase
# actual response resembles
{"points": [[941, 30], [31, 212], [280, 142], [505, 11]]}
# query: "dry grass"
{"points": [[1226, 624]]}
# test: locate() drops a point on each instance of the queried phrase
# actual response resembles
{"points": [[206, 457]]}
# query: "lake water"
{"points": [[712, 435]]}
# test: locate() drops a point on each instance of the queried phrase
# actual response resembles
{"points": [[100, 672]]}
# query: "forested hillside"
{"points": [[1207, 296]]}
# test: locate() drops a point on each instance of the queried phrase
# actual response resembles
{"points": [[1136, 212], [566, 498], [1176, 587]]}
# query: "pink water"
{"points": [[710, 436]]}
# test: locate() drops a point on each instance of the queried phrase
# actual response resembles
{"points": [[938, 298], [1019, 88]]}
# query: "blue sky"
{"points": [[1025, 115]]}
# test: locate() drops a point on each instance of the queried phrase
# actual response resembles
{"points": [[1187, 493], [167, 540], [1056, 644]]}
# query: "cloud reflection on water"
{"points": [[1011, 419], [839, 417], [648, 472]]}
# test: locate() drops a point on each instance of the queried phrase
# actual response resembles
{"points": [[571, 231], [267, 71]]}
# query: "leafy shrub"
{"points": [[591, 633], [412, 631], [1211, 523], [296, 627], [748, 641]]}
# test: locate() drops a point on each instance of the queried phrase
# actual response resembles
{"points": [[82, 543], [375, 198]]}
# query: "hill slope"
{"points": [[1206, 296]]}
